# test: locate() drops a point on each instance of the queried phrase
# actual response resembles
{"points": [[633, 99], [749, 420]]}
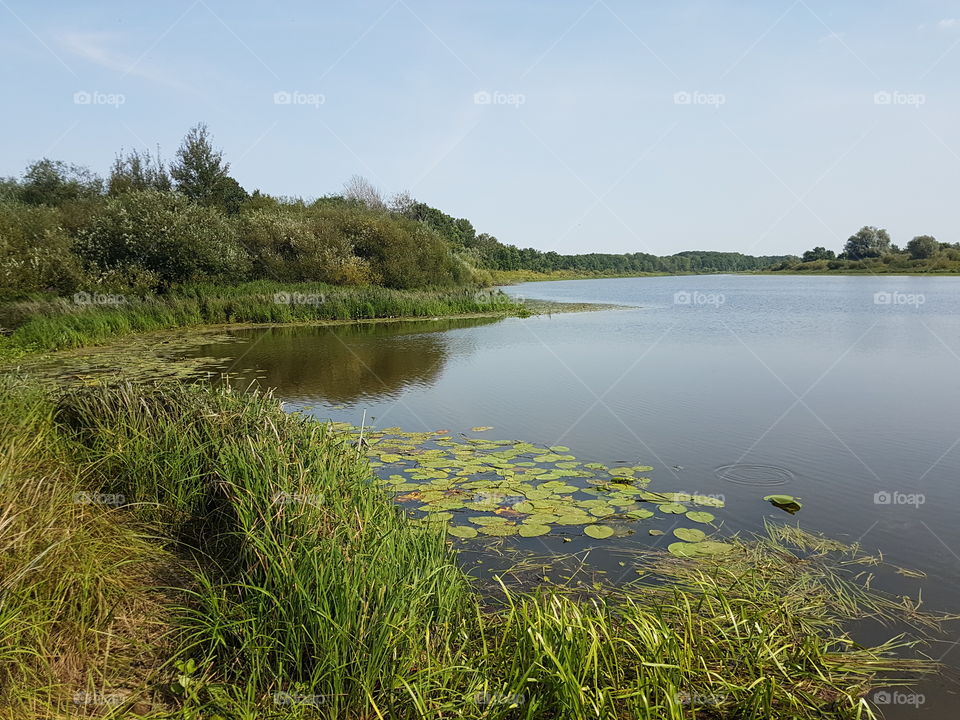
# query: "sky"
{"points": [[589, 126]]}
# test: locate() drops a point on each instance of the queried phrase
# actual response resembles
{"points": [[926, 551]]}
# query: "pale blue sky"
{"points": [[611, 125]]}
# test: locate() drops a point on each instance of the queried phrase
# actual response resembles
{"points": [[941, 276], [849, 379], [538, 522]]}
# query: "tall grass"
{"points": [[46, 325], [311, 595]]}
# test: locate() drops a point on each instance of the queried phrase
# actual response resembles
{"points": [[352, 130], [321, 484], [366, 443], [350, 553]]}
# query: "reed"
{"points": [[302, 591], [46, 325]]}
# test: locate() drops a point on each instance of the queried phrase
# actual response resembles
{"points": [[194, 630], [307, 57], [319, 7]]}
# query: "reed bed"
{"points": [[234, 561], [92, 319]]}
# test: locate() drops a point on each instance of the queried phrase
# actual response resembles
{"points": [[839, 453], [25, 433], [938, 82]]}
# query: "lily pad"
{"points": [[655, 532], [598, 531], [499, 530], [784, 502], [690, 534], [682, 549], [462, 531], [700, 516], [481, 428], [527, 530], [673, 508]]}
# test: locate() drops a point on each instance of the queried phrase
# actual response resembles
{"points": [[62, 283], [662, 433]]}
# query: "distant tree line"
{"points": [[490, 253], [872, 248]]}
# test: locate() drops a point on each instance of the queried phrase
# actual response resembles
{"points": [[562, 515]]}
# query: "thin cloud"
{"points": [[95, 48], [948, 23]]}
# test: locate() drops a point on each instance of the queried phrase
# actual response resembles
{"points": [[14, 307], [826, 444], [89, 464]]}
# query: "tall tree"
{"points": [[202, 175], [922, 247], [868, 242]]}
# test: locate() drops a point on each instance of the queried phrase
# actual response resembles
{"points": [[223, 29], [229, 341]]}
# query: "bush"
{"points": [[35, 253], [290, 246], [165, 234]]}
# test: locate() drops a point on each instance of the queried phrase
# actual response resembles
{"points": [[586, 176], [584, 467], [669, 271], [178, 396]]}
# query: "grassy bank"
{"points": [[85, 319], [188, 552]]}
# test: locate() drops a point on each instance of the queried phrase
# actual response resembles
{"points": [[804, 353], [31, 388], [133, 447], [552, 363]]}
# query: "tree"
{"points": [[922, 247], [138, 171], [818, 253], [53, 183], [868, 242], [202, 175], [360, 190]]}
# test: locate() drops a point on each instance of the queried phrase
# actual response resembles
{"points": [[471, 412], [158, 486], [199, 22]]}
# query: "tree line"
{"points": [[150, 225], [872, 248]]}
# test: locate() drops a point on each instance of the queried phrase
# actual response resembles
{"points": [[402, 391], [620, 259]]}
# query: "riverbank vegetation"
{"points": [[152, 226], [189, 552], [870, 251], [94, 318]]}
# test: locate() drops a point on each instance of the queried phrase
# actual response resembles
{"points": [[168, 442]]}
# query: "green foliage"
{"points": [[202, 175], [138, 171], [53, 183], [163, 234], [291, 576], [923, 247], [818, 253], [45, 325], [868, 242], [36, 253]]}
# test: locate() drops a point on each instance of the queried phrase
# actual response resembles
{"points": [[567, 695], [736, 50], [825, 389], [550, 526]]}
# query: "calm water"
{"points": [[733, 385]]}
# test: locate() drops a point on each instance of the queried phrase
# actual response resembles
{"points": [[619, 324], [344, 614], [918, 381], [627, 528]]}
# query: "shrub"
{"points": [[165, 234], [35, 253]]}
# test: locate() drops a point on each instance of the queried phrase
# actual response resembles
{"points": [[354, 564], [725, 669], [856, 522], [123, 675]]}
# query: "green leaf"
{"points": [[499, 530], [462, 531], [784, 502], [598, 531], [682, 549], [700, 516], [528, 530], [690, 534], [673, 508]]}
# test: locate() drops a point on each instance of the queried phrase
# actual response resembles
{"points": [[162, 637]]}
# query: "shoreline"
{"points": [[298, 496]]}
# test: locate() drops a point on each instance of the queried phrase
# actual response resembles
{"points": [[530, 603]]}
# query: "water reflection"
{"points": [[339, 364]]}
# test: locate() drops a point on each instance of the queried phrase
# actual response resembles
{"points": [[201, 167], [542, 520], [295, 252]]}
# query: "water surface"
{"points": [[843, 391]]}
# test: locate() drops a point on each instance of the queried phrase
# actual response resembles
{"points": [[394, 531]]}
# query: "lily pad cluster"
{"points": [[502, 488]]}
